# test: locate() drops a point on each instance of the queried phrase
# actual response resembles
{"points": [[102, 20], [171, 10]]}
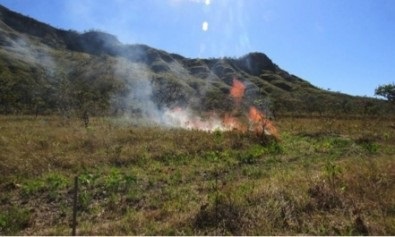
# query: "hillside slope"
{"points": [[46, 70]]}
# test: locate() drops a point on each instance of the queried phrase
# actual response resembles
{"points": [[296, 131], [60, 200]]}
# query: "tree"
{"points": [[387, 91]]}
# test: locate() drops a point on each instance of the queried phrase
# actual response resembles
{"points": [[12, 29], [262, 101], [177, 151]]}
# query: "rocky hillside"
{"points": [[44, 70]]}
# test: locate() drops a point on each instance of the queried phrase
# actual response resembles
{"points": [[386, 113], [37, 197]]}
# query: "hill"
{"points": [[324, 175], [44, 70]]}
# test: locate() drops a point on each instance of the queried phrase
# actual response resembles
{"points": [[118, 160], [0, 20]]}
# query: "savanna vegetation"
{"points": [[325, 177], [77, 105]]}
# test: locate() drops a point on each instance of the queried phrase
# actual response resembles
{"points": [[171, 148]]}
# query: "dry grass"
{"points": [[325, 177]]}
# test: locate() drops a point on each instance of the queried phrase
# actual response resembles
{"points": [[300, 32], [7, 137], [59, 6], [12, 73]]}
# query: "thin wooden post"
{"points": [[75, 202]]}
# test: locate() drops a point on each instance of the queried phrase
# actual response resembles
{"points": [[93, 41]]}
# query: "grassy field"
{"points": [[325, 177]]}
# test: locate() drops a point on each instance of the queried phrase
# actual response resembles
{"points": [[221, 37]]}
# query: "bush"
{"points": [[14, 220]]}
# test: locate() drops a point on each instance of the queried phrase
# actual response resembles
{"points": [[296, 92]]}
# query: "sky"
{"points": [[340, 45]]}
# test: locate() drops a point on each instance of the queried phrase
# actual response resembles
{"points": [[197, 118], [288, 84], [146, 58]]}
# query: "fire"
{"points": [[184, 118], [232, 123], [271, 130], [237, 90], [258, 122], [255, 115]]}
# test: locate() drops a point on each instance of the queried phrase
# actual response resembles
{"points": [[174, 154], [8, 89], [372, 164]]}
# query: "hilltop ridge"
{"points": [[48, 70]]}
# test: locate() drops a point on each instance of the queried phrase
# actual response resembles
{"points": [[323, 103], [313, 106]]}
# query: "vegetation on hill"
{"points": [[44, 70]]}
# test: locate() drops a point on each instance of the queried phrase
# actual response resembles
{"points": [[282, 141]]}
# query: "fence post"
{"points": [[75, 202]]}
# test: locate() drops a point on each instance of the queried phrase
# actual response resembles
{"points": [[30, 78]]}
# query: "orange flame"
{"points": [[237, 90], [233, 123], [270, 129], [255, 115], [258, 121], [260, 124]]}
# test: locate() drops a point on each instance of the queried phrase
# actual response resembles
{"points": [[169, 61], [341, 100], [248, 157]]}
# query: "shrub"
{"points": [[13, 220]]}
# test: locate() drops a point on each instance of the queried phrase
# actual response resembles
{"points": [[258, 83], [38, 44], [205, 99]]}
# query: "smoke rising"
{"points": [[156, 88], [32, 53], [137, 99]]}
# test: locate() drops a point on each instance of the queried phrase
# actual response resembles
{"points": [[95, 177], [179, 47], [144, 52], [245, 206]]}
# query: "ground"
{"points": [[326, 176]]}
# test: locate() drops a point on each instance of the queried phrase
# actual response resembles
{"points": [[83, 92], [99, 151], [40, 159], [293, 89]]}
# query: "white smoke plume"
{"points": [[138, 99], [141, 109], [32, 53]]}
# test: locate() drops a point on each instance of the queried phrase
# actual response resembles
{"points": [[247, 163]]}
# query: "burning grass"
{"points": [[323, 178], [237, 120]]}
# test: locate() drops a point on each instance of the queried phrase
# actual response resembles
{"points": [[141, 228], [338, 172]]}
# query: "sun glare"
{"points": [[205, 26]]}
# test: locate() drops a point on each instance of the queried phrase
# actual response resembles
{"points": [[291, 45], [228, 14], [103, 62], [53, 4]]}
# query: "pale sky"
{"points": [[343, 45]]}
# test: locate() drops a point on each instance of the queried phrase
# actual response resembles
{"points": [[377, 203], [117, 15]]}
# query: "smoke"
{"points": [[143, 110], [185, 118], [33, 53], [179, 70], [138, 90], [138, 103], [141, 87]]}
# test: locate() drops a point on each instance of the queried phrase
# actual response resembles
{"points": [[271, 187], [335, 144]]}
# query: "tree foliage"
{"points": [[387, 91]]}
